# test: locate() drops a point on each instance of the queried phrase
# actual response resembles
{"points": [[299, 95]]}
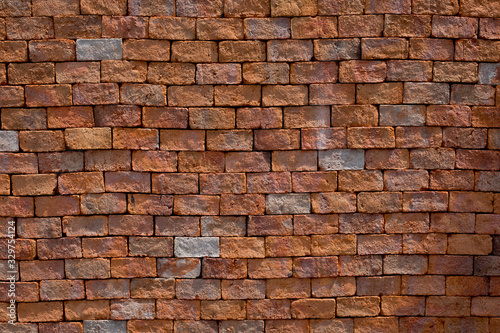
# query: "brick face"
{"points": [[250, 166]]}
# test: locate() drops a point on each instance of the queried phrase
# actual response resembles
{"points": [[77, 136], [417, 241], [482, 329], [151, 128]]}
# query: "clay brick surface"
{"points": [[250, 166]]}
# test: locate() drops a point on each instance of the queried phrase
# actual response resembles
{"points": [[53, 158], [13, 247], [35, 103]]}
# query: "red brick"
{"points": [[265, 73], [268, 309], [274, 182], [488, 28], [143, 94], [243, 289], [133, 267], [13, 51], [485, 117], [424, 244], [452, 180], [135, 138], [243, 51], [39, 28], [69, 161], [315, 224], [406, 180], [270, 225], [95, 93], [48, 95], [52, 50], [326, 94], [407, 26], [323, 138], [237, 95], [178, 309], [72, 116], [438, 158], [477, 50], [34, 184], [51, 290], [361, 26], [196, 205], [88, 138], [42, 270], [450, 265], [146, 50], [285, 95], [242, 204], [179, 267], [180, 183], [150, 204], [194, 51], [287, 246], [106, 203], [269, 268], [124, 27], [176, 28], [294, 161], [247, 162], [57, 205], [325, 203], [242, 247], [379, 93], [107, 160], [41, 311], [222, 183], [383, 48], [68, 247], [107, 289], [74, 27], [447, 306], [200, 162], [216, 268], [448, 115], [170, 73]]}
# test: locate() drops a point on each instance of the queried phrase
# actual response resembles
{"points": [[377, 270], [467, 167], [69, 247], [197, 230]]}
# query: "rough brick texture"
{"points": [[250, 166]]}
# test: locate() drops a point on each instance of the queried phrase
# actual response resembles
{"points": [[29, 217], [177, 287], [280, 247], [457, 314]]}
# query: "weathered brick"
{"points": [[329, 202], [361, 25], [73, 27], [382, 48], [337, 49], [146, 50], [326, 94]]}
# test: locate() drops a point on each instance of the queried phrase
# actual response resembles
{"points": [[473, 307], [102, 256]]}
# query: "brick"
{"points": [[222, 183], [125, 181], [41, 141], [447, 306], [426, 93], [489, 73], [493, 139], [40, 28], [73, 27], [323, 138], [315, 224], [178, 309], [477, 50], [42, 270], [107, 289], [381, 137], [88, 138], [18, 163], [294, 8], [195, 51], [222, 310], [13, 51], [267, 28], [4, 184], [150, 204], [260, 73], [146, 50], [106, 203], [361, 26], [488, 28], [425, 201], [314, 27], [431, 49], [151, 8], [358, 306], [379, 244], [57, 205], [176, 28], [313, 72], [201, 162], [439, 158], [196, 205], [143, 94], [35, 312], [472, 95], [237, 95], [98, 49], [130, 225], [484, 117], [123, 71], [12, 96], [487, 224], [39, 73], [192, 247], [223, 226], [382, 48], [333, 203], [115, 7], [190, 96], [33, 185], [449, 7], [379, 93], [406, 180], [59, 248], [487, 8], [450, 265], [252, 8], [268, 309], [384, 285], [466, 286], [135, 138], [289, 50], [85, 225], [448, 115], [269, 268], [91, 93], [354, 115], [486, 181], [403, 305], [10, 141], [424, 244], [424, 324], [409, 70], [407, 25], [418, 137], [486, 265], [405, 264], [330, 287], [16, 8], [181, 183], [229, 140], [240, 247], [224, 268], [322, 245], [39, 227], [379, 202], [124, 27], [464, 137], [67, 117], [86, 310], [198, 288], [107, 160], [51, 290], [362, 71], [287, 246], [333, 49], [477, 159], [454, 27], [325, 94], [455, 72], [347, 159], [218, 29], [179, 267], [313, 308], [242, 204], [355, 181], [274, 182], [423, 285], [87, 268], [132, 309], [242, 51]]}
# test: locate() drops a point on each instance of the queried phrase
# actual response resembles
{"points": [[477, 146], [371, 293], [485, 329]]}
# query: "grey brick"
{"points": [[99, 49], [104, 326], [489, 73], [9, 141], [288, 204], [196, 247], [342, 159], [402, 115]]}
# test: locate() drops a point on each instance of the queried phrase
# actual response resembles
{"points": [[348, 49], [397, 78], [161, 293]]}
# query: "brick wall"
{"points": [[251, 166]]}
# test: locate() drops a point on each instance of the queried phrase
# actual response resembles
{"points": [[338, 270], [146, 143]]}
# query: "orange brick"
{"points": [[242, 247]]}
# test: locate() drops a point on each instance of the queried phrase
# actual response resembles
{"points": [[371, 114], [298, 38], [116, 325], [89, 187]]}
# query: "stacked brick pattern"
{"points": [[251, 166]]}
